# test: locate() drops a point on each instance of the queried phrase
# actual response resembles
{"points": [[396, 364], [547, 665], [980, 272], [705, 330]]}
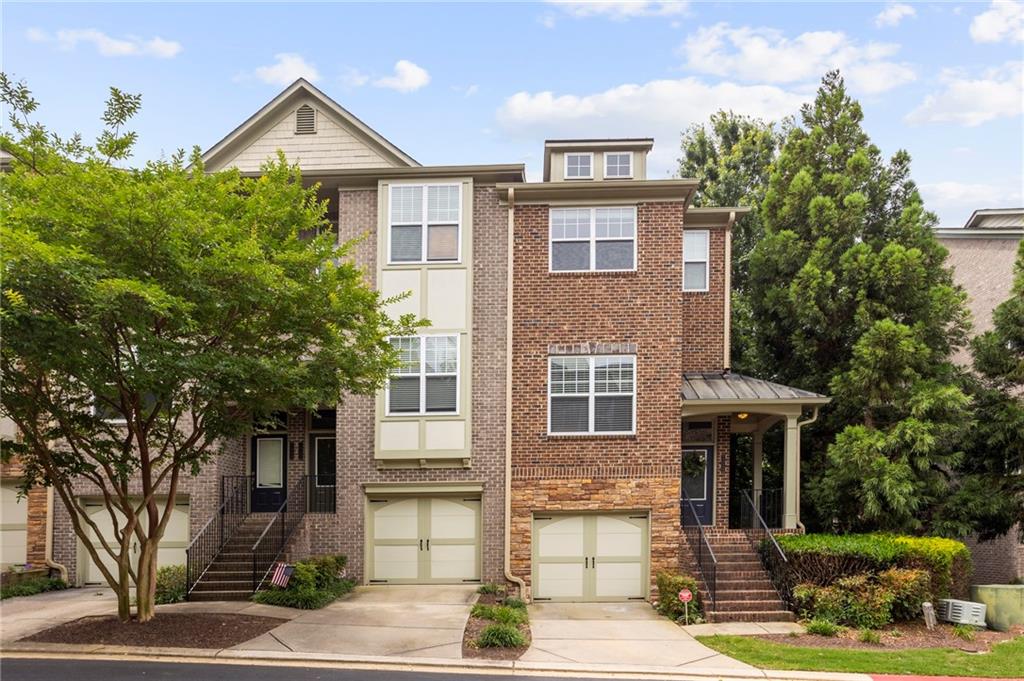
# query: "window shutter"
{"points": [[613, 414], [305, 120]]}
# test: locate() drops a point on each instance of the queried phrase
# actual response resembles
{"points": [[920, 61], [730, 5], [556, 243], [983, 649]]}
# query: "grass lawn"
{"points": [[1006, 660]]}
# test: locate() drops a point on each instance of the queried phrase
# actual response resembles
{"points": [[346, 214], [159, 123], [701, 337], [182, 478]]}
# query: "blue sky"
{"points": [[487, 83]]}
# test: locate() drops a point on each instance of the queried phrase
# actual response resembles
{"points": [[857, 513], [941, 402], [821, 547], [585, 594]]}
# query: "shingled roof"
{"points": [[724, 387]]}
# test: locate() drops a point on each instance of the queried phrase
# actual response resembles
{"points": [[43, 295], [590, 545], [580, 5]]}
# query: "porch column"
{"points": [[755, 494], [791, 475]]}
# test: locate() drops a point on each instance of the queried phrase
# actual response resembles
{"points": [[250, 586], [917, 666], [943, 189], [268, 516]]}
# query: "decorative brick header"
{"points": [[594, 472], [592, 348]]}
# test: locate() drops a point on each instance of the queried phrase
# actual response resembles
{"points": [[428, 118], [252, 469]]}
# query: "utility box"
{"points": [[960, 612]]}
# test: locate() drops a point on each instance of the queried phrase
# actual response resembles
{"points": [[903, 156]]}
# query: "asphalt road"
{"points": [[102, 670]]}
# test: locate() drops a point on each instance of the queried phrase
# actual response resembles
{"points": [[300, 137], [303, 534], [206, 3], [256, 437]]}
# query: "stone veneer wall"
{"points": [[35, 532]]}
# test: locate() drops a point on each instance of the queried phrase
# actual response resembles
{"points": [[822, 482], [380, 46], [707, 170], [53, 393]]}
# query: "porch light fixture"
{"points": [[742, 415]]}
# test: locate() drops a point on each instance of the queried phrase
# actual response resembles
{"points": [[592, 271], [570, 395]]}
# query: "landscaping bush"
{"points": [[855, 601], [947, 562], [823, 627], [869, 636], [170, 584], [669, 605], [909, 589], [314, 583], [501, 614], [31, 587], [492, 589], [501, 636], [513, 602]]}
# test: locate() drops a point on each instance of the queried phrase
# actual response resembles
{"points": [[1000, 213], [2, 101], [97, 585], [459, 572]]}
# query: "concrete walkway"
{"points": [[20, 617], [627, 634]]}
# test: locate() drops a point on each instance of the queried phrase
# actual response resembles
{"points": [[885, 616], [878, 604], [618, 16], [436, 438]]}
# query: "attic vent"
{"points": [[305, 120]]}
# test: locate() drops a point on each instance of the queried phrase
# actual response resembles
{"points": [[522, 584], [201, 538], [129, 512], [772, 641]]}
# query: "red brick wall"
{"points": [[999, 560]]}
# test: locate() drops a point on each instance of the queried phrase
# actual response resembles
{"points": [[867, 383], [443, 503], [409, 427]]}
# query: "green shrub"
{"points": [[170, 584], [491, 589], [869, 636], [669, 605], [822, 627], [963, 631], [314, 583], [31, 587], [499, 613], [909, 589], [501, 636], [513, 602], [947, 562], [852, 601]]}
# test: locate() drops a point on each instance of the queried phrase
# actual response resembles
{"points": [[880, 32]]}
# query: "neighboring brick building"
{"points": [[982, 254]]}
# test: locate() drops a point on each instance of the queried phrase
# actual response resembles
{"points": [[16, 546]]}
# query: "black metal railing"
{"points": [[763, 540], [321, 493], [707, 564], [208, 542], [274, 538], [768, 503]]}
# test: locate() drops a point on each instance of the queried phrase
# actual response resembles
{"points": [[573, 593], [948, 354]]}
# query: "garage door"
{"points": [[172, 546], [590, 557], [424, 540], [13, 525]]}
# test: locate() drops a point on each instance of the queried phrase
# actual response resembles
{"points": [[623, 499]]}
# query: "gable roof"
{"points": [[224, 150]]}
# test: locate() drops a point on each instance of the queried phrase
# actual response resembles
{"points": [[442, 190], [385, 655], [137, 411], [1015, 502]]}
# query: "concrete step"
{"points": [[761, 616]]}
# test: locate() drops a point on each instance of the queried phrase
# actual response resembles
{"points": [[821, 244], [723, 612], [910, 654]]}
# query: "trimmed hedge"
{"points": [[316, 582], [669, 605], [822, 559]]}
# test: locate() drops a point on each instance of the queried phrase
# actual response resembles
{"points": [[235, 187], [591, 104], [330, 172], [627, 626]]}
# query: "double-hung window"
{"points": [[427, 378], [592, 395], [618, 164], [424, 223], [579, 166], [695, 260], [592, 239]]}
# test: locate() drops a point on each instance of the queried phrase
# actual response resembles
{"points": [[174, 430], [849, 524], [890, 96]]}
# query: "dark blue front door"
{"points": [[269, 454], [699, 483]]}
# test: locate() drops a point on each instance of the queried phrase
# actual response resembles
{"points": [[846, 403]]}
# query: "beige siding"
{"points": [[333, 146]]}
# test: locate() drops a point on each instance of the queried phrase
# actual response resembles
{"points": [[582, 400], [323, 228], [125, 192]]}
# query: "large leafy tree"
{"points": [[850, 296], [148, 314], [730, 156]]}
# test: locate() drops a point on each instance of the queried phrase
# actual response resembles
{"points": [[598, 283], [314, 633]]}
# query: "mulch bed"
{"points": [[476, 624], [902, 636], [166, 630]]}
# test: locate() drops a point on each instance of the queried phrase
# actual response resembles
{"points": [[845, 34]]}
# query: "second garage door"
{"points": [[599, 557], [13, 525], [424, 540], [172, 545]]}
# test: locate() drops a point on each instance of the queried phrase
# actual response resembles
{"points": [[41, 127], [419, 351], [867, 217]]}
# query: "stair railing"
{"points": [[767, 546], [707, 563], [274, 538], [215, 533]]}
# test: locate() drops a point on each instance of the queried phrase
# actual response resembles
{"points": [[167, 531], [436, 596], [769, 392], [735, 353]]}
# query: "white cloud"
{"points": [[408, 77], [893, 14], [1004, 20], [955, 198], [287, 68], [998, 93], [620, 10], [659, 108], [129, 46], [766, 55], [353, 77], [547, 20]]}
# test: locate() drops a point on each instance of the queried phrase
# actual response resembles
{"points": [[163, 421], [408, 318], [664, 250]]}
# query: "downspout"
{"points": [[508, 398], [727, 335], [48, 556], [799, 425]]}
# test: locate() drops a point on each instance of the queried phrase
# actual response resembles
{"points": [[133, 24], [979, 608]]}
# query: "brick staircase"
{"points": [[744, 589], [229, 577]]}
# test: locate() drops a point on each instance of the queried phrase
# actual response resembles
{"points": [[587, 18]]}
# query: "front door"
{"points": [[698, 484], [269, 472]]}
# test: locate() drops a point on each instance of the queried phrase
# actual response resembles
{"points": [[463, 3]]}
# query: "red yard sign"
{"points": [[685, 596]]}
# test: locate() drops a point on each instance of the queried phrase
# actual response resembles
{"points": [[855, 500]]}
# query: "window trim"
{"points": [[422, 375], [565, 165], [706, 260], [591, 394], [592, 239], [424, 225], [628, 176]]}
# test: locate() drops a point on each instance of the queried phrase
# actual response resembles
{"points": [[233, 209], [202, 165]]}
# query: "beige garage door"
{"points": [[423, 540], [172, 546], [600, 557], [13, 525]]}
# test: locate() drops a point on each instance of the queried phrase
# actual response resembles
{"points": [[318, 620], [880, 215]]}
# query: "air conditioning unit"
{"points": [[960, 612]]}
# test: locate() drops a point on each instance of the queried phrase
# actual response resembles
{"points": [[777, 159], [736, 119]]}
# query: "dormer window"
{"points": [[618, 164], [305, 120], [579, 166]]}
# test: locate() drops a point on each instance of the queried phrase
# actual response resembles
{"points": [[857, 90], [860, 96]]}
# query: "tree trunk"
{"points": [[123, 589], [145, 588]]}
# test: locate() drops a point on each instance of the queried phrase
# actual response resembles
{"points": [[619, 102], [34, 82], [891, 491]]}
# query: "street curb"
{"points": [[425, 664]]}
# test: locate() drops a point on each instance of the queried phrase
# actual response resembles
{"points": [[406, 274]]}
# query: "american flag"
{"points": [[282, 573]]}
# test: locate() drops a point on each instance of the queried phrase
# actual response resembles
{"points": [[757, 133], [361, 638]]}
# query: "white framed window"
{"points": [[592, 239], [592, 395], [618, 164], [424, 223], [695, 259], [427, 380], [579, 165]]}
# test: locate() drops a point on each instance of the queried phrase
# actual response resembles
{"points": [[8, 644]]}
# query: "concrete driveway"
{"points": [[24, 616], [406, 621], [616, 634]]}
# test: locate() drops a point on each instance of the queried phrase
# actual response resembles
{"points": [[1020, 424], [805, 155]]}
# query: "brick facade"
{"points": [[999, 560]]}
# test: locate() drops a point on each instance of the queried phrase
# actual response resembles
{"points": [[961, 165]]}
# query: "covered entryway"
{"points": [[172, 546], [13, 525], [423, 540], [593, 557]]}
